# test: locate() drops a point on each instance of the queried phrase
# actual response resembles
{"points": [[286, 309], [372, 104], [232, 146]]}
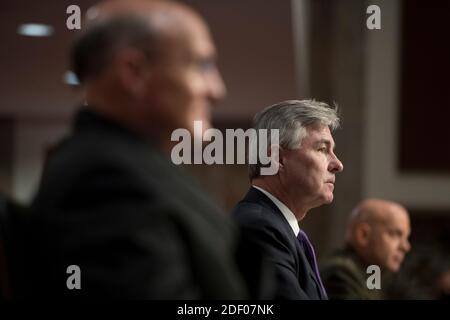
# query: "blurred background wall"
{"points": [[391, 86]]}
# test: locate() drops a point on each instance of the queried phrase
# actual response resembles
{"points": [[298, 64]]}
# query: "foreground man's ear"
{"points": [[133, 71]]}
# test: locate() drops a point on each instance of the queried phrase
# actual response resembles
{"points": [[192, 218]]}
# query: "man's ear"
{"points": [[133, 71], [363, 233], [281, 157]]}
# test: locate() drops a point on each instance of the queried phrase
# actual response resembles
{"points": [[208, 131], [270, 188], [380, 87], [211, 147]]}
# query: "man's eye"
{"points": [[206, 65], [322, 149], [395, 233]]}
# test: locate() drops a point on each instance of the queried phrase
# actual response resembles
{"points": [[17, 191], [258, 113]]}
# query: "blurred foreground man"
{"points": [[111, 203], [270, 212], [377, 234]]}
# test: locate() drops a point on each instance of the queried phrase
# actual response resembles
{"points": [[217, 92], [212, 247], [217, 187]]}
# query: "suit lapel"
{"points": [[256, 196]]}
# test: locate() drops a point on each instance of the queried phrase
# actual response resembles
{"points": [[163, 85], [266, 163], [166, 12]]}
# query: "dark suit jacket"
{"points": [[13, 222], [263, 222], [136, 225]]}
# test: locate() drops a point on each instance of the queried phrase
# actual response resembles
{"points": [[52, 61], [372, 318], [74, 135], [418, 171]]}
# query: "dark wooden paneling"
{"points": [[430, 226], [425, 87]]}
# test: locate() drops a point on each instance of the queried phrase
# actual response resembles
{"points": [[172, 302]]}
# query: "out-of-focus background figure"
{"points": [[377, 234]]}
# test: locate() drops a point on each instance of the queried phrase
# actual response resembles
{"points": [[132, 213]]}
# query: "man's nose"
{"points": [[216, 86], [336, 165], [405, 245]]}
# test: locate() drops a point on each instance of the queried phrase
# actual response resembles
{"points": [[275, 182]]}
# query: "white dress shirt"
{"points": [[287, 213]]}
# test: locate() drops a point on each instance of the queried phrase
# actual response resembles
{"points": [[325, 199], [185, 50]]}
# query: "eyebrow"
{"points": [[400, 232], [327, 142], [209, 60]]}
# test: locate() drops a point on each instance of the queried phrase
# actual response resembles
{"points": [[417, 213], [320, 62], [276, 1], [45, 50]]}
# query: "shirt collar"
{"points": [[287, 213]]}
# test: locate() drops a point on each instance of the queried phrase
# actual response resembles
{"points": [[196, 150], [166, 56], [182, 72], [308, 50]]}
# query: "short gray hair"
{"points": [[291, 118]]}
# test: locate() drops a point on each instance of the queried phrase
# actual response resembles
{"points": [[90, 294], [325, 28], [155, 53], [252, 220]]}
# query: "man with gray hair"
{"points": [[270, 212]]}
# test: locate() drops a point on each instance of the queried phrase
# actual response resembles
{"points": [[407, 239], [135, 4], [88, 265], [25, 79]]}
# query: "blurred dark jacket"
{"points": [[135, 224], [13, 248]]}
